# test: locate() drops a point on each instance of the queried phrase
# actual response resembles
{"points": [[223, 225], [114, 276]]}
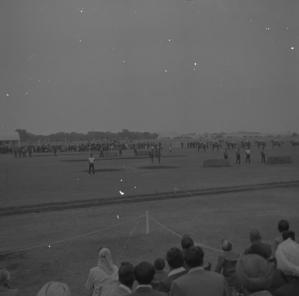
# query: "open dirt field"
{"points": [[44, 179], [63, 245]]}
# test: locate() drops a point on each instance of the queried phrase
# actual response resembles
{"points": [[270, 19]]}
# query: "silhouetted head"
{"points": [[175, 258], [255, 236], [226, 245], [144, 273], [187, 242], [126, 274], [194, 257], [283, 225], [159, 264]]}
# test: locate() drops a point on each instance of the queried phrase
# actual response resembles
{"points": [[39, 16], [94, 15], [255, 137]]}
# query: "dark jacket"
{"points": [[147, 291], [166, 284]]}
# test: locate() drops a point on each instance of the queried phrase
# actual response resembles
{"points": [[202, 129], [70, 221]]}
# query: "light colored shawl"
{"points": [[105, 261]]}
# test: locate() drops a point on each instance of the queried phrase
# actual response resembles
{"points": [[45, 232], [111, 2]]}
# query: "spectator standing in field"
{"points": [[158, 152], [160, 273], [175, 261], [227, 262], [151, 153], [91, 161], [225, 154], [238, 156], [144, 274], [198, 281], [54, 289], [5, 289], [125, 282], [255, 275], [263, 156], [247, 156], [102, 276], [283, 225], [287, 258], [258, 246]]}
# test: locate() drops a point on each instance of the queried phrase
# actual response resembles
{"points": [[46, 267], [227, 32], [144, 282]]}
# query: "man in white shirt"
{"points": [[91, 161]]}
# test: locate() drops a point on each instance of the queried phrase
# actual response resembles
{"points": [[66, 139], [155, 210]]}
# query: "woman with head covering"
{"points": [[54, 289], [103, 276]]}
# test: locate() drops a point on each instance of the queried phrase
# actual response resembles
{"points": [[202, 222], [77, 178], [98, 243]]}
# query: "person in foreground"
{"points": [[175, 261], [54, 289], [198, 281], [102, 276], [226, 263], [258, 246], [144, 274], [255, 275], [287, 258], [125, 281], [160, 273]]}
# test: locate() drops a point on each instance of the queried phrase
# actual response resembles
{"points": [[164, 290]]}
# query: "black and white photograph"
{"points": [[149, 147]]}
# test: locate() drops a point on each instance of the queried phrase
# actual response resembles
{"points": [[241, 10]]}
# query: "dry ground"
{"points": [[64, 244]]}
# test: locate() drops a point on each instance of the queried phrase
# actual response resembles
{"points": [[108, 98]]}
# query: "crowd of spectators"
{"points": [[261, 270], [22, 151]]}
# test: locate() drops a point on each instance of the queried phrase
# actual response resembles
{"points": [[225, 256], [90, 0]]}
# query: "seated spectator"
{"points": [[54, 289], [175, 261], [102, 276], [226, 263], [144, 274], [287, 258], [258, 246], [160, 273], [198, 281], [126, 279], [5, 289], [254, 274], [283, 225]]}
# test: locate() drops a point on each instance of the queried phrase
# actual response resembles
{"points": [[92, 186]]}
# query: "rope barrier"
{"points": [[48, 245], [84, 235], [130, 234], [180, 235]]}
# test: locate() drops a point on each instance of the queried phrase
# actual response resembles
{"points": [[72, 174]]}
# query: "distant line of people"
{"points": [[247, 153]]}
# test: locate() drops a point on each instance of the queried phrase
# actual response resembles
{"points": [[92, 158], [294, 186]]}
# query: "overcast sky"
{"points": [[155, 65]]}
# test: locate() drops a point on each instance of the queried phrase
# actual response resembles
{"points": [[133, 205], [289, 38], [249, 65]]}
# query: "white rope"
{"points": [[48, 245], [130, 234], [180, 235]]}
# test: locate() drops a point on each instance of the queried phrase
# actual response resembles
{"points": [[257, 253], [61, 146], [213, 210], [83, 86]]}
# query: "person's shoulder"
{"points": [[215, 275], [96, 271]]}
